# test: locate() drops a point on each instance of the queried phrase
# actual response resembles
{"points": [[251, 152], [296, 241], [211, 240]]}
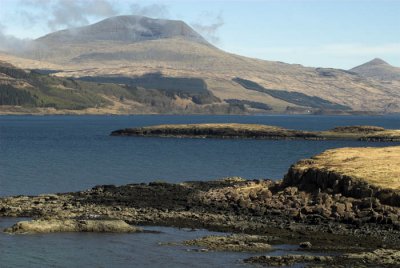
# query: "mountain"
{"points": [[165, 55], [125, 29], [378, 69]]}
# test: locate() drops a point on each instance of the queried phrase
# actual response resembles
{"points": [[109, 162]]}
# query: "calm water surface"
{"points": [[66, 153], [114, 250]]}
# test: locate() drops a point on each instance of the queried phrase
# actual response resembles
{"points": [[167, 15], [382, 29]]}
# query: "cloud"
{"points": [[60, 14], [9, 43], [208, 25], [158, 11], [71, 13]]}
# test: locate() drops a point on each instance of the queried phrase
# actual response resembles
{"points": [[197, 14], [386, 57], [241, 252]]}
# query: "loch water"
{"points": [[47, 154]]}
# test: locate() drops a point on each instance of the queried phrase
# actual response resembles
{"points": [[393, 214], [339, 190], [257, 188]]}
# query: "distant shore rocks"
{"points": [[376, 258], [68, 225], [255, 131], [235, 242], [289, 260]]}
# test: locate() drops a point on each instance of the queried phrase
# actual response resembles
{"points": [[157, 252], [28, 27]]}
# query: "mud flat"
{"points": [[324, 204], [254, 131]]}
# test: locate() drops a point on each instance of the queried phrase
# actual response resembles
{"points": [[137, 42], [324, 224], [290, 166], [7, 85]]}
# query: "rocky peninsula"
{"points": [[254, 131], [343, 202]]}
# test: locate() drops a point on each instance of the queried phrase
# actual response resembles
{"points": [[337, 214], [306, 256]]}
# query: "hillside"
{"points": [[378, 69], [34, 92], [125, 49]]}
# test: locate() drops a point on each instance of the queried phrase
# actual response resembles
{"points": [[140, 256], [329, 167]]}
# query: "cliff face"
{"points": [[352, 172]]}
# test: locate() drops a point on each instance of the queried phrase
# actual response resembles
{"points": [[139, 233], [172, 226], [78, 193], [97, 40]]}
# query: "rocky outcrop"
{"points": [[253, 131], [361, 173], [69, 225], [236, 242], [289, 260], [387, 257], [376, 258]]}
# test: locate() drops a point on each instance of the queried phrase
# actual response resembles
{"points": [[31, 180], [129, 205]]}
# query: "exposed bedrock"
{"points": [[333, 183], [361, 173], [376, 258]]}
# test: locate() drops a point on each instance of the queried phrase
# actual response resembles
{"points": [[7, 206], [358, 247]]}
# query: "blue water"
{"points": [[45, 154], [111, 250], [66, 153]]}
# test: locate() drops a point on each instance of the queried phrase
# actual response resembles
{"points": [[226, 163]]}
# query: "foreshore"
{"points": [[307, 208]]}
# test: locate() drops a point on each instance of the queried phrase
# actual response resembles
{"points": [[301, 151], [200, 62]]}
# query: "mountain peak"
{"points": [[378, 69], [127, 28], [377, 61]]}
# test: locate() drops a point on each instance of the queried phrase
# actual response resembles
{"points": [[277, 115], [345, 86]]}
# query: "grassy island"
{"points": [[254, 131]]}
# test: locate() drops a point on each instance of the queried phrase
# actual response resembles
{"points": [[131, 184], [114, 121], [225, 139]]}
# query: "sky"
{"points": [[319, 33]]}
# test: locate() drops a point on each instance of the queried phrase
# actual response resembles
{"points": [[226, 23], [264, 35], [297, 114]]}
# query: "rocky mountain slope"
{"points": [[125, 49], [378, 69]]}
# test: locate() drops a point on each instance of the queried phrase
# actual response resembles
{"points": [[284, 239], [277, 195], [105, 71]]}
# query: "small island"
{"points": [[343, 202], [254, 131]]}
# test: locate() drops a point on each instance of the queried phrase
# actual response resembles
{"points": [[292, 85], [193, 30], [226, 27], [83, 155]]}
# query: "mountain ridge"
{"points": [[173, 54], [126, 28]]}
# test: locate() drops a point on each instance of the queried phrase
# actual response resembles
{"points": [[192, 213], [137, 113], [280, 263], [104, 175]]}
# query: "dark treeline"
{"points": [[13, 96]]}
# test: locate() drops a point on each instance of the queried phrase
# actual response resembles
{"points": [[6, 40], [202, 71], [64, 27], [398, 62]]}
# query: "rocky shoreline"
{"points": [[254, 131], [263, 208], [311, 210]]}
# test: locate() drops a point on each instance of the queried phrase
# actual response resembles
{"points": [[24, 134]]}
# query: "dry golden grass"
{"points": [[350, 133], [377, 166], [383, 134], [395, 133], [216, 126]]}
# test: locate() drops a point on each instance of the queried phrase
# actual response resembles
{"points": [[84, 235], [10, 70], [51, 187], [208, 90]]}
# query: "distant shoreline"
{"points": [[79, 113]]}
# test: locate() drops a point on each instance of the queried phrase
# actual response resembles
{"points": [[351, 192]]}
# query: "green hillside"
{"points": [[152, 93]]}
